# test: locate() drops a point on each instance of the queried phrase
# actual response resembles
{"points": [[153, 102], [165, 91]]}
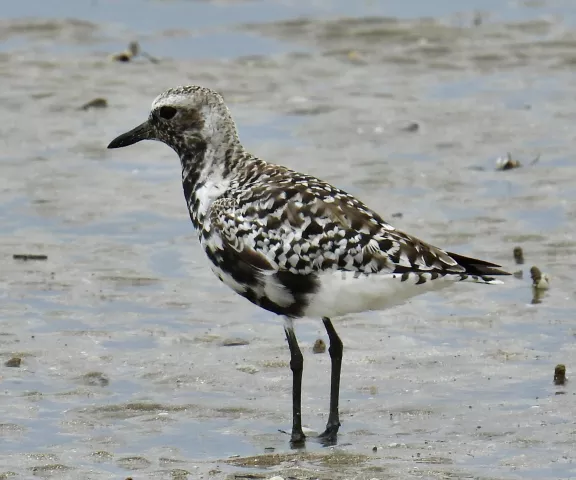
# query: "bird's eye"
{"points": [[167, 112]]}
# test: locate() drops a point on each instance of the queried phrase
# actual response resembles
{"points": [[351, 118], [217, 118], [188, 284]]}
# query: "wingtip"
{"points": [[475, 266], [496, 270]]}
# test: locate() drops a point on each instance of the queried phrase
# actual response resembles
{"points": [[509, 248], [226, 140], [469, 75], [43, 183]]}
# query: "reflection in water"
{"points": [[537, 295]]}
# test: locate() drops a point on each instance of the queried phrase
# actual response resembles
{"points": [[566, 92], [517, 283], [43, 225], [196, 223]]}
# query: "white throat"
{"points": [[211, 185]]}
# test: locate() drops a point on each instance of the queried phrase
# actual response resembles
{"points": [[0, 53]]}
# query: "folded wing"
{"points": [[307, 226]]}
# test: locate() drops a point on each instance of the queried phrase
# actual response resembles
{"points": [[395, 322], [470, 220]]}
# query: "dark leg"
{"points": [[297, 366], [331, 433]]}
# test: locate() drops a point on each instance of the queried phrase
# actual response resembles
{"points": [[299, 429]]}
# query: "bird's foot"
{"points": [[297, 438], [329, 437]]}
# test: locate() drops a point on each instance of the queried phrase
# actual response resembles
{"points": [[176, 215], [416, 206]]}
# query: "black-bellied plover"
{"points": [[288, 242]]}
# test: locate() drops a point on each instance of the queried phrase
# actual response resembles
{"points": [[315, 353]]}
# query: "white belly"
{"points": [[340, 293]]}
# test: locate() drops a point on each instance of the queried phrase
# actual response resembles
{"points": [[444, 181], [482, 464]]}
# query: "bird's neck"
{"points": [[206, 174]]}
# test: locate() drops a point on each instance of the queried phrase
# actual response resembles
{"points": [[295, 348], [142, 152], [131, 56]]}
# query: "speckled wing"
{"points": [[302, 225], [226, 230]]}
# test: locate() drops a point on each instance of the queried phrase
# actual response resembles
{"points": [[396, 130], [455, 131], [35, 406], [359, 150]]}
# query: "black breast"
{"points": [[253, 281]]}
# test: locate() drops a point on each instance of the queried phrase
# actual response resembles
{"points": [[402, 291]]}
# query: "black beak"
{"points": [[141, 132]]}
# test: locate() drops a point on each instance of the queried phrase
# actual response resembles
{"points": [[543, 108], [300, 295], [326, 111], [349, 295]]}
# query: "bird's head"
{"points": [[185, 118]]}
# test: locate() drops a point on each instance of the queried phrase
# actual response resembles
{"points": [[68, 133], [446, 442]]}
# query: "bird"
{"points": [[289, 242]]}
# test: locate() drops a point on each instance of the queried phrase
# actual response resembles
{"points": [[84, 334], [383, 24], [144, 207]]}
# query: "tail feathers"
{"points": [[479, 268]]}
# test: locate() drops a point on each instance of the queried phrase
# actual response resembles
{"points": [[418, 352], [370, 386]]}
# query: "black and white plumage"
{"points": [[288, 242]]}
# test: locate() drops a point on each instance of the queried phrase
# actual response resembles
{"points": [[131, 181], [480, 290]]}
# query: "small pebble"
{"points": [[127, 55], [29, 256], [234, 342], [319, 346], [131, 52], [14, 362], [518, 255], [560, 374], [411, 127], [122, 57], [374, 449], [96, 103], [507, 163], [540, 281], [397, 215]]}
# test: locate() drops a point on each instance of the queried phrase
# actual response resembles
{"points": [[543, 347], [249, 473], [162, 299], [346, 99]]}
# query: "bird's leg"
{"points": [[329, 436], [297, 366]]}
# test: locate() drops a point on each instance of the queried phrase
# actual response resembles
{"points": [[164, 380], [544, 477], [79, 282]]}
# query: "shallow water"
{"points": [[121, 330]]}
